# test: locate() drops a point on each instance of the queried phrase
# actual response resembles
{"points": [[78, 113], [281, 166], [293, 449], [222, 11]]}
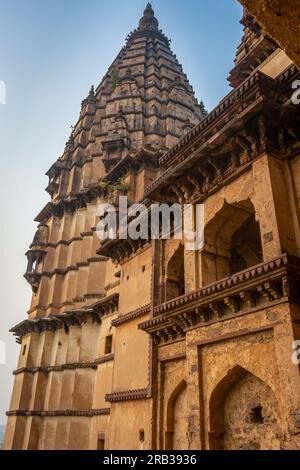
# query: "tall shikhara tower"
{"points": [[77, 373]]}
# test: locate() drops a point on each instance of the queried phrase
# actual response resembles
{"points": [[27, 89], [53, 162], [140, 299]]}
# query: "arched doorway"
{"points": [[244, 414], [176, 420], [232, 242], [175, 285]]}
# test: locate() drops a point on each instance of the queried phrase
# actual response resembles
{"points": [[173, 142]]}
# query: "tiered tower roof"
{"points": [[143, 102]]}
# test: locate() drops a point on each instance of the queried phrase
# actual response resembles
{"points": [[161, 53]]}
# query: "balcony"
{"points": [[250, 290]]}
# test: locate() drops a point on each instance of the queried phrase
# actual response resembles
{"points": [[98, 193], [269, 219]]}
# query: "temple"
{"points": [[146, 344]]}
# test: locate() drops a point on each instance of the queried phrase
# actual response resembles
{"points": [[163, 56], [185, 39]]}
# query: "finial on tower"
{"points": [[148, 21], [149, 9], [92, 92], [249, 22]]}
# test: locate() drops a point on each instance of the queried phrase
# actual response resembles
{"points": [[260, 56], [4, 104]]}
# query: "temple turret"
{"points": [[147, 84], [253, 50]]}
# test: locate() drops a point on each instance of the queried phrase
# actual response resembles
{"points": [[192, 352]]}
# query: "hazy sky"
{"points": [[51, 52]]}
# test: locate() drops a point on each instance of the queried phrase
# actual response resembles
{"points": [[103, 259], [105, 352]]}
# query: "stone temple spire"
{"points": [[253, 50], [148, 83], [148, 20]]}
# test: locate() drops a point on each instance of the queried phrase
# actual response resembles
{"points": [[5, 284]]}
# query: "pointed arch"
{"points": [[175, 281], [216, 412], [170, 415], [241, 400], [232, 241]]}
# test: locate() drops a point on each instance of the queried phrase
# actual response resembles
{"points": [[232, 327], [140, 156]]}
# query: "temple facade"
{"points": [[147, 344]]}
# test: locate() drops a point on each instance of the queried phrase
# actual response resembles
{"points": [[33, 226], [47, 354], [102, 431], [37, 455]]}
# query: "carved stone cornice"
{"points": [[60, 413], [78, 317], [93, 296], [55, 169], [105, 359], [70, 204], [64, 242], [112, 285], [97, 259], [228, 139], [118, 250], [262, 48], [137, 33], [87, 234], [60, 368], [131, 315], [107, 305], [143, 159], [64, 271], [128, 395], [271, 281]]}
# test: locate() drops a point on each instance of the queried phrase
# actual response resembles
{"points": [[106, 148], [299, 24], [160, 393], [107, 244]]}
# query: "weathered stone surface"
{"points": [[281, 20], [150, 345]]}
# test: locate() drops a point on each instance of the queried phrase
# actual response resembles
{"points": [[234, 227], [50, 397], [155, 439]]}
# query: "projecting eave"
{"points": [[132, 161], [42, 216], [207, 156]]}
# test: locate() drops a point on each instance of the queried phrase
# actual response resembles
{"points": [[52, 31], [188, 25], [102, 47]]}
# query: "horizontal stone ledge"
{"points": [[75, 267], [59, 413], [58, 368], [166, 160], [70, 204], [63, 242], [131, 315], [120, 250], [103, 360], [246, 292], [52, 306], [128, 395], [112, 285], [95, 312], [251, 274]]}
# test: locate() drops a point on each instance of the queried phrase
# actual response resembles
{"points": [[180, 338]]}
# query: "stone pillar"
{"points": [[16, 426], [53, 391], [194, 400], [192, 219], [272, 206], [288, 372], [67, 389], [38, 391]]}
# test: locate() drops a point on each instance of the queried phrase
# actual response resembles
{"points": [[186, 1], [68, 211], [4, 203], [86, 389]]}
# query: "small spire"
{"points": [[149, 9], [90, 98], [249, 22], [92, 92], [148, 21]]}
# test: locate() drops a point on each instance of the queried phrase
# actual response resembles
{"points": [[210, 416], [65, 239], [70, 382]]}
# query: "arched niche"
{"points": [[232, 242], [176, 419], [244, 414]]}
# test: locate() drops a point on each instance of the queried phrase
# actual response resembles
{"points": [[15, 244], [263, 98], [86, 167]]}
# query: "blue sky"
{"points": [[51, 52]]}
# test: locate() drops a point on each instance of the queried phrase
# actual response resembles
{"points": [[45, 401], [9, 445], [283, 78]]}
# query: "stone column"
{"points": [[16, 426], [194, 399], [192, 219], [272, 206]]}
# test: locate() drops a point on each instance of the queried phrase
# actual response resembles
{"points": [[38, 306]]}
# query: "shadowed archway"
{"points": [[244, 414], [176, 420]]}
